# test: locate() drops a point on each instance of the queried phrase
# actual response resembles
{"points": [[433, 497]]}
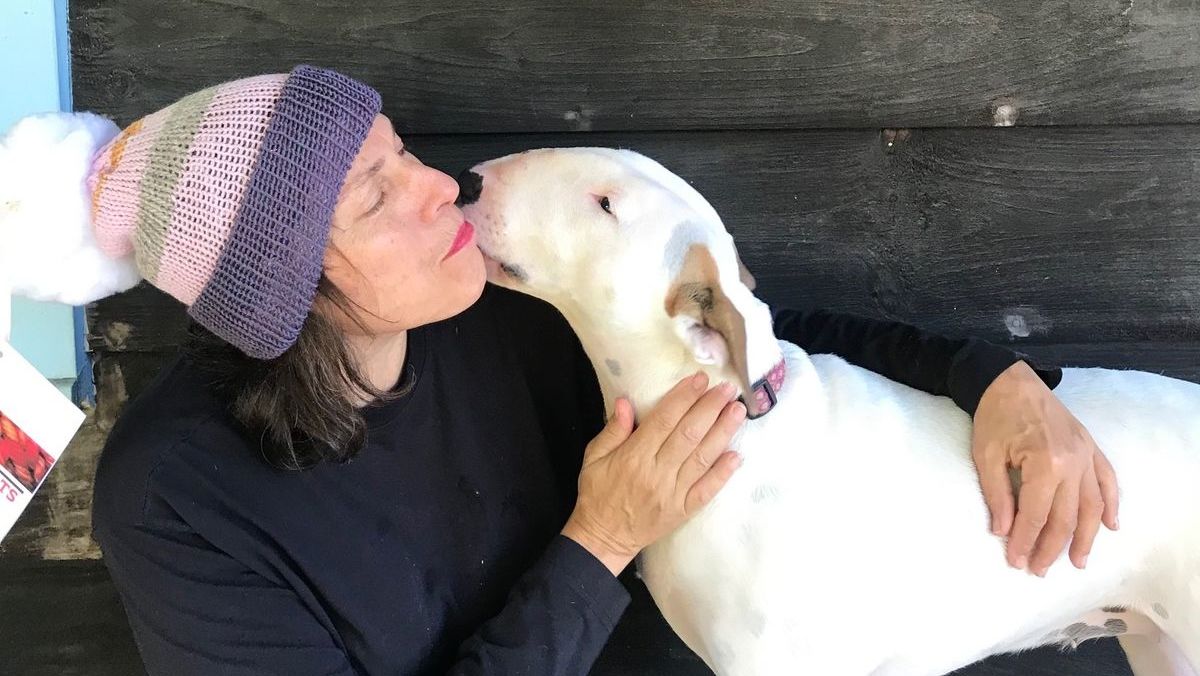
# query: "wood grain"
{"points": [[63, 618], [57, 524], [525, 65]]}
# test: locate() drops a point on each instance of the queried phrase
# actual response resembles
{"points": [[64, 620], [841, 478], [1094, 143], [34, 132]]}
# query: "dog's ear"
{"points": [[705, 318]]}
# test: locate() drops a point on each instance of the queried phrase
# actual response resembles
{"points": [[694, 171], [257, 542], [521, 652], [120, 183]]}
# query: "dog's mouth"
{"points": [[501, 271]]}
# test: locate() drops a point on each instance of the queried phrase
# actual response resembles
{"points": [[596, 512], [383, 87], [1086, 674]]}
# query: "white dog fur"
{"points": [[854, 538]]}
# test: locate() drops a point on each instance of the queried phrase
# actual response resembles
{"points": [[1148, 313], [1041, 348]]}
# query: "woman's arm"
{"points": [[1068, 487], [557, 618], [961, 368]]}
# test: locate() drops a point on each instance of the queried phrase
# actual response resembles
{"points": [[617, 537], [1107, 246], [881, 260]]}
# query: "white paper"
{"points": [[36, 423]]}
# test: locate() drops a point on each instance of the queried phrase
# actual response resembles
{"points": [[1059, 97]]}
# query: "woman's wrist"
{"points": [[1012, 379], [614, 559]]}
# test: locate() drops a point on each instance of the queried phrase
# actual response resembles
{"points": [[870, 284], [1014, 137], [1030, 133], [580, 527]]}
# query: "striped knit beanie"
{"points": [[223, 200]]}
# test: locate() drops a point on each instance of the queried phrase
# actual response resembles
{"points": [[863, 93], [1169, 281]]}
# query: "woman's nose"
{"points": [[470, 185]]}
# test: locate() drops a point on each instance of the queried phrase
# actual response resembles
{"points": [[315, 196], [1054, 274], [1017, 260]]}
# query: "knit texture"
{"points": [[225, 198]]}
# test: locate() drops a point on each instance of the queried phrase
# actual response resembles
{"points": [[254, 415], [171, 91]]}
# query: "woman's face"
{"points": [[400, 249]]}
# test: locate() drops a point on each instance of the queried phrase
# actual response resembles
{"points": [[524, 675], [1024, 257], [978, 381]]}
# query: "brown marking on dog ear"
{"points": [[697, 292], [744, 272]]}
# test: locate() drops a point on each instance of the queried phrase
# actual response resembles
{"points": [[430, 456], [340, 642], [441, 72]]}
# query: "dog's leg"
{"points": [[1177, 612], [1150, 650], [1182, 638], [1155, 655], [1172, 647]]}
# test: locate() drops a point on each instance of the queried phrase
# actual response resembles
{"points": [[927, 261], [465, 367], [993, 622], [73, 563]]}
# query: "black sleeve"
{"points": [[961, 368], [557, 618], [196, 610]]}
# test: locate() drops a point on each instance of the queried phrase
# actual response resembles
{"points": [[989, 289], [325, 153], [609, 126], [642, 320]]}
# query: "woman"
{"points": [[366, 462]]}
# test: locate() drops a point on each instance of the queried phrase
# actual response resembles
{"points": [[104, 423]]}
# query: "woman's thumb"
{"points": [[615, 432]]}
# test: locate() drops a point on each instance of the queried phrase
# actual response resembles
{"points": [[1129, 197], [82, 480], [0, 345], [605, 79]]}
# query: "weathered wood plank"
{"points": [[57, 525], [1036, 235], [63, 618], [120, 377], [1177, 360], [526, 65], [142, 319]]}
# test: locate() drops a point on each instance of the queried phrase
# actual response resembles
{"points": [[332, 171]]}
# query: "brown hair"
{"points": [[301, 405]]}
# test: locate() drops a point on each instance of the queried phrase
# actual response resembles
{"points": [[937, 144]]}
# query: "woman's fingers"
{"points": [[1033, 511], [716, 442], [1109, 492], [615, 432], [1060, 525], [695, 427], [705, 489], [665, 417], [1091, 509], [992, 465]]}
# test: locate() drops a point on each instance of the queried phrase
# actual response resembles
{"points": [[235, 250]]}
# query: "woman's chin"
{"points": [[477, 268], [464, 286], [495, 271]]}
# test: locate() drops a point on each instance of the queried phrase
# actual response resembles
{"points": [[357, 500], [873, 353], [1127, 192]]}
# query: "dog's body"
{"points": [[854, 538], [862, 547]]}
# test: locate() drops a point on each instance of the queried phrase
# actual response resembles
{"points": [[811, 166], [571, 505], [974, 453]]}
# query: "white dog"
{"points": [[854, 538]]}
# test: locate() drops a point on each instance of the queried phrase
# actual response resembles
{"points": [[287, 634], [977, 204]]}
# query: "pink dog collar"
{"points": [[765, 393]]}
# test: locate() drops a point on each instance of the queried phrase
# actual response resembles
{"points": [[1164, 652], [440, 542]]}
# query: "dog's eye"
{"points": [[604, 204]]}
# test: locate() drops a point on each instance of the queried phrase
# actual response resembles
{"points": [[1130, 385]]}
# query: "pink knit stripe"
{"points": [[115, 182], [214, 179]]}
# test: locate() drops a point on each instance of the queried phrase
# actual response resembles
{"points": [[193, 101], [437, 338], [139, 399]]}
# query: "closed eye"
{"points": [[378, 204]]}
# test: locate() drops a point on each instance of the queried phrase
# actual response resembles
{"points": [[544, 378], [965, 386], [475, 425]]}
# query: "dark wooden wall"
{"points": [[1024, 171]]}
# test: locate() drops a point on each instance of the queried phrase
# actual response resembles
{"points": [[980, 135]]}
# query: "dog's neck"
{"points": [[643, 365]]}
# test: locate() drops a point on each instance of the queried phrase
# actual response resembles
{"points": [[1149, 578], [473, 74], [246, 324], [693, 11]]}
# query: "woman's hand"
{"points": [[1067, 485], [638, 485]]}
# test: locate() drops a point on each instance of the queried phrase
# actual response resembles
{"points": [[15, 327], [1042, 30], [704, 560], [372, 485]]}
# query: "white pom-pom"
{"points": [[48, 250]]}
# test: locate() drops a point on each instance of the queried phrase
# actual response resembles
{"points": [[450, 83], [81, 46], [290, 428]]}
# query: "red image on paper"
{"points": [[21, 456]]}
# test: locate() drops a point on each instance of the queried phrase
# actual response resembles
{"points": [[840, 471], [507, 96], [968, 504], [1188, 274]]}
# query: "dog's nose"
{"points": [[470, 185]]}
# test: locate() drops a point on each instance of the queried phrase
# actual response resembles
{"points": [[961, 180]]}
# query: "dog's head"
{"points": [[617, 243]]}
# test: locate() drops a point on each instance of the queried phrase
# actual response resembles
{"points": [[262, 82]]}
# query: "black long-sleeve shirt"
{"points": [[436, 550]]}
